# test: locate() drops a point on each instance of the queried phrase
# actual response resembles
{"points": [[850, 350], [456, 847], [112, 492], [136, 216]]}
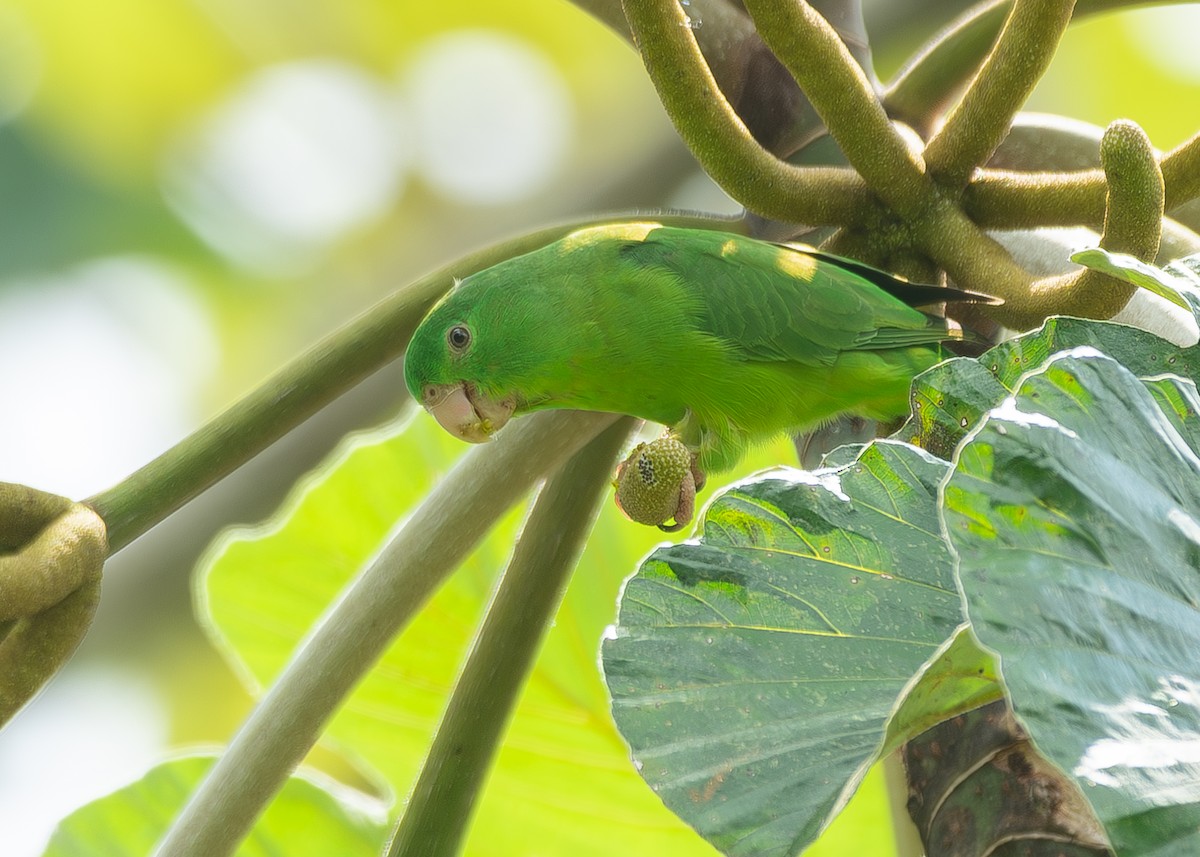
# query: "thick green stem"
{"points": [[929, 81], [973, 260], [439, 808], [980, 121], [1132, 224], [289, 719], [722, 34], [1181, 173], [1134, 207], [752, 80], [1010, 199], [720, 140], [301, 389], [844, 99]]}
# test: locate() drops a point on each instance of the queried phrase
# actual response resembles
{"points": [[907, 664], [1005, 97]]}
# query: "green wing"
{"points": [[772, 302]]}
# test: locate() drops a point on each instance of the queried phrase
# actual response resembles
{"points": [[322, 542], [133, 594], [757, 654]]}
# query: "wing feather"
{"points": [[782, 303]]}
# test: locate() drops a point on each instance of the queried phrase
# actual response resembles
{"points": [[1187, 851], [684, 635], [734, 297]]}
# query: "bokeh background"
{"points": [[193, 191]]}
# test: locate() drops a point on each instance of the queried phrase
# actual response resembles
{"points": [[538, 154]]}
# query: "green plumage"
{"points": [[726, 339]]}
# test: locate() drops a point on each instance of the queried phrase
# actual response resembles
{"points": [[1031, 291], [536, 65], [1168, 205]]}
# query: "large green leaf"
{"points": [[305, 820], [753, 671], [1075, 512], [562, 778], [950, 399]]}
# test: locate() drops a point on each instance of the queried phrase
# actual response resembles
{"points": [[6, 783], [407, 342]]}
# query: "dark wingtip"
{"points": [[913, 294], [964, 296]]}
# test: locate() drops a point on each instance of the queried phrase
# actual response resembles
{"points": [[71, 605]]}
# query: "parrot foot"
{"points": [[657, 484]]}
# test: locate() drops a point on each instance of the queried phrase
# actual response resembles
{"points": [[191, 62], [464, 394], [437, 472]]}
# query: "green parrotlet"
{"points": [[725, 340]]}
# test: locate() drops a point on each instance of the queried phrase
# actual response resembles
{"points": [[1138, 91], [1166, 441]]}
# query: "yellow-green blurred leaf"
{"points": [[304, 821]]}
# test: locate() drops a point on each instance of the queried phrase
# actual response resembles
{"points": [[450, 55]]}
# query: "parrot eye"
{"points": [[459, 337]]}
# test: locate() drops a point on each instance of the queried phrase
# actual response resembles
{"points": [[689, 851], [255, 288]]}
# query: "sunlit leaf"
{"points": [[753, 671], [305, 820], [1130, 269], [1075, 512], [950, 399]]}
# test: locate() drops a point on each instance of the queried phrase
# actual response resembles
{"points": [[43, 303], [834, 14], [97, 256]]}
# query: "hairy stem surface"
{"points": [[980, 121], [720, 140]]}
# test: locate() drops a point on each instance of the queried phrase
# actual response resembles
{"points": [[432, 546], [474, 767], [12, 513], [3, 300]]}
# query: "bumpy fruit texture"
{"points": [[655, 484]]}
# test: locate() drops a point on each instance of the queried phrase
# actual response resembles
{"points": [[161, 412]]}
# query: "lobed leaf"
{"points": [[753, 671]]}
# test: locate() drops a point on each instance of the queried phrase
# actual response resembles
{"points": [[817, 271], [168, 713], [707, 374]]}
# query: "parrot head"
{"points": [[452, 366]]}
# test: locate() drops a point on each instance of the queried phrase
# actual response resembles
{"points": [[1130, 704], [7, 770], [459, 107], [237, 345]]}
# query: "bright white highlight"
{"points": [[103, 370], [299, 156], [91, 732], [492, 117]]}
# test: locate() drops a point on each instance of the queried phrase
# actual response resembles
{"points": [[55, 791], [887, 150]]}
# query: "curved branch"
{"points": [[979, 122], [1134, 207], [974, 260], [1181, 173], [845, 100], [929, 80], [1009, 199], [720, 140], [757, 86], [1132, 224], [927, 83]]}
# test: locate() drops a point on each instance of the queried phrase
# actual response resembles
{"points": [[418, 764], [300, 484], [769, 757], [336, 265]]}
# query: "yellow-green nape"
{"points": [[650, 480]]}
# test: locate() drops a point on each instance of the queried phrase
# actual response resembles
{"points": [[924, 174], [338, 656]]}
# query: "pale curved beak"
{"points": [[465, 413]]}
